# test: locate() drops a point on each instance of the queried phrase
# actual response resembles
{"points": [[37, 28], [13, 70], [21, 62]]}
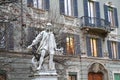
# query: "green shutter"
{"points": [[117, 76], [2, 72]]}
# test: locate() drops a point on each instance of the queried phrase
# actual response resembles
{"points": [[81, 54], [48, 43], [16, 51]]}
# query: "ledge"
{"points": [[4, 53]]}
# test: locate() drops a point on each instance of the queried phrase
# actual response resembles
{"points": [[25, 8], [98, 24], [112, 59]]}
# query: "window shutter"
{"points": [[47, 4], [85, 2], [37, 3], [97, 9], [63, 42], [62, 8], [77, 44], [100, 48], [106, 14], [75, 8], [31, 35], [88, 46], [29, 3], [116, 76], [10, 40], [119, 49], [2, 37], [97, 13], [109, 49], [116, 17]]}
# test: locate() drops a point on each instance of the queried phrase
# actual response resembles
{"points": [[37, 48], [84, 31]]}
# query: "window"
{"points": [[113, 49], [2, 75], [70, 43], [69, 7], [91, 8], [72, 76], [91, 11], [94, 47], [116, 76], [30, 3], [111, 15], [6, 36], [33, 32], [40, 4], [2, 37]]}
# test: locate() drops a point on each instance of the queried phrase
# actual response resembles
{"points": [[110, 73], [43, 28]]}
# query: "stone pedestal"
{"points": [[45, 75]]}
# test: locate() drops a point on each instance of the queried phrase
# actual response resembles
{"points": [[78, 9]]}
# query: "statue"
{"points": [[47, 45]]}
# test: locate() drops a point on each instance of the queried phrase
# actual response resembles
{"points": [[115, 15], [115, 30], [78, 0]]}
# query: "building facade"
{"points": [[88, 31]]}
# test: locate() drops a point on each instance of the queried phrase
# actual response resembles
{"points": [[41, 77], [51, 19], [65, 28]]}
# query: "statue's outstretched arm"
{"points": [[36, 40]]}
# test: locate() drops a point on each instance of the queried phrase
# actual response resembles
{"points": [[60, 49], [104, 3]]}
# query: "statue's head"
{"points": [[48, 26]]}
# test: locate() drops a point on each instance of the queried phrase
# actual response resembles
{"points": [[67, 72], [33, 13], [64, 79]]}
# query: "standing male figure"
{"points": [[47, 44]]}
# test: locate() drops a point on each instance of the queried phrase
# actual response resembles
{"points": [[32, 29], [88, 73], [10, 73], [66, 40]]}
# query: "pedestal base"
{"points": [[45, 75]]}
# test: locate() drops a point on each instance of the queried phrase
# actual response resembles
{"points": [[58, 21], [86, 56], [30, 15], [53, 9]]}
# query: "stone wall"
{"points": [[16, 65]]}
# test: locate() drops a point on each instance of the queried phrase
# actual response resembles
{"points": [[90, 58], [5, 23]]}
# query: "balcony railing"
{"points": [[93, 22]]}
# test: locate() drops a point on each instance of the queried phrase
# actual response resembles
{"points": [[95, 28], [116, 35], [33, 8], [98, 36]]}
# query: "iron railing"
{"points": [[94, 22]]}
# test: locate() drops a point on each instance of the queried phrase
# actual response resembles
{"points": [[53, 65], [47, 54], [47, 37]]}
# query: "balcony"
{"points": [[95, 25]]}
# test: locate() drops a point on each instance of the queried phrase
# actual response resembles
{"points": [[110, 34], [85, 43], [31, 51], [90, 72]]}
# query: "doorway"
{"points": [[2, 77], [95, 76], [97, 71]]}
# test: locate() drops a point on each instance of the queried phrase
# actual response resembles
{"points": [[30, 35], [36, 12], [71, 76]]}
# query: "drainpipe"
{"points": [[81, 67]]}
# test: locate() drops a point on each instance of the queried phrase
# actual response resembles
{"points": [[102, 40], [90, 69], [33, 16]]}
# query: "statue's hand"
{"points": [[60, 49], [29, 48]]}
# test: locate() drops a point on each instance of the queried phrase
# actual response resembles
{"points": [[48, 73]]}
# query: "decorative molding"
{"points": [[106, 54], [97, 67], [109, 4], [114, 37]]}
